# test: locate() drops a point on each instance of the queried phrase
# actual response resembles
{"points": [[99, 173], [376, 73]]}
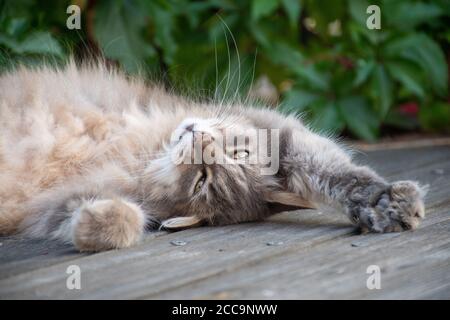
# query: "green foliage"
{"points": [[321, 57]]}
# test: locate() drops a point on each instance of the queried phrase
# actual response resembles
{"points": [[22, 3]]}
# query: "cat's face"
{"points": [[211, 170]]}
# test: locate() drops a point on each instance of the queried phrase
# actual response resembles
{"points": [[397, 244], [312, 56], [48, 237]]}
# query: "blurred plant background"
{"points": [[312, 57]]}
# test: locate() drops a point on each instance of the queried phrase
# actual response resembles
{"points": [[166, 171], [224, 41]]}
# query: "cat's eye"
{"points": [[200, 183], [241, 154]]}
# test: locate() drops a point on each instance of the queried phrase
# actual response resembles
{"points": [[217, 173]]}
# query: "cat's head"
{"points": [[215, 171]]}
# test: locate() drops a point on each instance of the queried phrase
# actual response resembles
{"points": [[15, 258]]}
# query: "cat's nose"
{"points": [[189, 128]]}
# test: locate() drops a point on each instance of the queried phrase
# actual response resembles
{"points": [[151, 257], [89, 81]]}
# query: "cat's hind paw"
{"points": [[398, 208], [107, 224]]}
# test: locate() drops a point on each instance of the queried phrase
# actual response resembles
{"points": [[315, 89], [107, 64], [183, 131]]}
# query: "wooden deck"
{"points": [[303, 254]]}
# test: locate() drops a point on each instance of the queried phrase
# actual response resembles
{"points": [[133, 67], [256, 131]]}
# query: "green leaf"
{"points": [[162, 20], [259, 33], [262, 8], [384, 89], [326, 117], [283, 53], [425, 52], [357, 10], [364, 70], [407, 75], [17, 26], [297, 100], [407, 15], [315, 78], [41, 42], [38, 42], [192, 11], [118, 29], [10, 43], [292, 8], [359, 117]]}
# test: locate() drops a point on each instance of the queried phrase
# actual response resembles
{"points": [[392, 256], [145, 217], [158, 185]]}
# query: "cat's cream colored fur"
{"points": [[85, 158]]}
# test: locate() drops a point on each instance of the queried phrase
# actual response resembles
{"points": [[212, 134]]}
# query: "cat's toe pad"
{"points": [[398, 208], [107, 224]]}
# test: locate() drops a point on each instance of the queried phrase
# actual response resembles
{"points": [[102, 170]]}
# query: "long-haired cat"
{"points": [[94, 158]]}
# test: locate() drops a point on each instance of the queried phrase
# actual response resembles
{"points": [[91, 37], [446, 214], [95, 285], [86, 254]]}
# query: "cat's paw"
{"points": [[107, 224], [398, 208]]}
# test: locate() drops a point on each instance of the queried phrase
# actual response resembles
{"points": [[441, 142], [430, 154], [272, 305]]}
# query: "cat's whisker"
{"points": [[238, 58], [217, 70], [229, 68]]}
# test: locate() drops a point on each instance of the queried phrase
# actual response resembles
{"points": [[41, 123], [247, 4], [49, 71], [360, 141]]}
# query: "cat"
{"points": [[90, 156]]}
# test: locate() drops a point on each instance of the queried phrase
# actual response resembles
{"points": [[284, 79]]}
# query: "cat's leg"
{"points": [[318, 169], [90, 222], [107, 224]]}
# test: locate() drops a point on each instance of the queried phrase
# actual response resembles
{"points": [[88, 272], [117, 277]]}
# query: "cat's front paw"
{"points": [[107, 224], [398, 208]]}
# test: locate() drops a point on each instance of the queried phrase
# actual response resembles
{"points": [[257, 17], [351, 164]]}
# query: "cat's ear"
{"points": [[280, 201], [180, 223]]}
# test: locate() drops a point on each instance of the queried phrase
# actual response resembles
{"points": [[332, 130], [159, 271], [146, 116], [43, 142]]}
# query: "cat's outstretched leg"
{"points": [[318, 169], [91, 223]]}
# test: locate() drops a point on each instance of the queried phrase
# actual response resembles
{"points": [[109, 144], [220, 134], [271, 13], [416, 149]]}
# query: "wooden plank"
{"points": [[391, 162], [407, 142], [158, 269], [19, 255], [413, 265], [155, 265]]}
